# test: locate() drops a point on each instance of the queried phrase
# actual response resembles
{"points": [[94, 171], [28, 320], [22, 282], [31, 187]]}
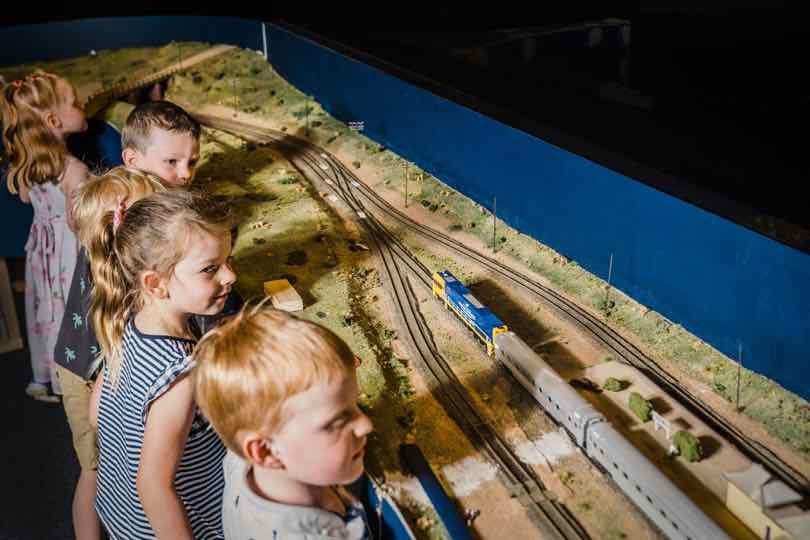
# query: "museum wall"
{"points": [[722, 282]]}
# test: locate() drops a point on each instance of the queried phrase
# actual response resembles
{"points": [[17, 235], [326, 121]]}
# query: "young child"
{"points": [[162, 138], [38, 114], [281, 393], [160, 463], [77, 350]]}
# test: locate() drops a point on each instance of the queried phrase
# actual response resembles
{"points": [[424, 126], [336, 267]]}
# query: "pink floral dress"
{"points": [[50, 259]]}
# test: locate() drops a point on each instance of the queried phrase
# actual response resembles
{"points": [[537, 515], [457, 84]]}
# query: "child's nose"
{"points": [[363, 426], [184, 172], [229, 276]]}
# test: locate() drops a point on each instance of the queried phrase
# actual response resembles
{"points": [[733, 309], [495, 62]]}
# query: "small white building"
{"points": [[766, 504]]}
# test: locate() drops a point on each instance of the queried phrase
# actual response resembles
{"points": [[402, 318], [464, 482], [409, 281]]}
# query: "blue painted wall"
{"points": [[51, 41], [722, 282]]}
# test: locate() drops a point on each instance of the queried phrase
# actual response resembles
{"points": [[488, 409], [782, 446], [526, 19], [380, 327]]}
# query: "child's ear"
{"points": [[154, 285], [261, 451], [52, 120], [130, 157]]}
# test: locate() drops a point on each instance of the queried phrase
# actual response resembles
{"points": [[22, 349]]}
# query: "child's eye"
{"points": [[171, 162], [192, 163], [211, 269], [338, 423]]}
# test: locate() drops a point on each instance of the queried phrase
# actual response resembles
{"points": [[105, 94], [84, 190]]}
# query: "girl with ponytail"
{"points": [[156, 264]]}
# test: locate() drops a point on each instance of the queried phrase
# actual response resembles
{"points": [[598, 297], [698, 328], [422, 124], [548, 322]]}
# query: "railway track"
{"points": [[398, 267], [623, 349]]}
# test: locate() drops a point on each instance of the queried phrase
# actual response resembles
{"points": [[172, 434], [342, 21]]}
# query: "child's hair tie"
{"points": [[118, 215], [16, 84]]}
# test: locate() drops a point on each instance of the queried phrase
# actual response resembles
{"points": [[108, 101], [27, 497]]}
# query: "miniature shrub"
{"points": [[640, 406], [688, 446], [613, 385]]}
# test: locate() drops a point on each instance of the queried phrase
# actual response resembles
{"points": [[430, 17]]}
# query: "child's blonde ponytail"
{"points": [[111, 306]]}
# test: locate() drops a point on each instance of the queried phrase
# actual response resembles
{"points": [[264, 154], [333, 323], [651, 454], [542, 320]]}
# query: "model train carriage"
{"points": [[478, 317]]}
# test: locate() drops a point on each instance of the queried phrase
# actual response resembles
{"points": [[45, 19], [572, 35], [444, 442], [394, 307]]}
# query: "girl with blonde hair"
{"points": [[160, 461], [38, 114]]}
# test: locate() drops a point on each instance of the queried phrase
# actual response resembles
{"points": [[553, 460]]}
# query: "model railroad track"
{"points": [[96, 102], [398, 264], [623, 349]]}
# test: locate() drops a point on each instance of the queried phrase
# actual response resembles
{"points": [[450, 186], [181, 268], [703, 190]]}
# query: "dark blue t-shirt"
{"points": [[99, 147]]}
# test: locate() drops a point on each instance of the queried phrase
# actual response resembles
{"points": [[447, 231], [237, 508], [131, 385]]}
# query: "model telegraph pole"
{"points": [[607, 289], [406, 184], [739, 372], [494, 221], [307, 108]]}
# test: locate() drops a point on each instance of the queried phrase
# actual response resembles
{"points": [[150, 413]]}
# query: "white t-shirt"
{"points": [[246, 516]]}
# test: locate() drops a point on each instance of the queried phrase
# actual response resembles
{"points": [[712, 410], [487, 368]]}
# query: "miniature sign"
{"points": [[357, 126], [283, 295]]}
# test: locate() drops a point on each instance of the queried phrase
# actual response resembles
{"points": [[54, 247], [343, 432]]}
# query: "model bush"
{"points": [[613, 384], [688, 446], [640, 406]]}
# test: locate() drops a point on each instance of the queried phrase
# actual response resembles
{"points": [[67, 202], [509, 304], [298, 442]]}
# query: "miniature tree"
{"points": [[688, 445], [613, 385], [640, 406]]}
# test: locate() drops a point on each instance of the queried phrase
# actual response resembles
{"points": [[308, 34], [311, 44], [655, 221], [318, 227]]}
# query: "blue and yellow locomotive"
{"points": [[478, 317]]}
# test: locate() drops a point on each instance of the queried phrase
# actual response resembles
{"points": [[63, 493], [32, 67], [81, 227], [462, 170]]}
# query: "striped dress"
{"points": [[149, 366]]}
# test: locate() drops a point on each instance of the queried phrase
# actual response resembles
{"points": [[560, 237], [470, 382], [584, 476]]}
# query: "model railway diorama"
{"points": [[474, 383]]}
